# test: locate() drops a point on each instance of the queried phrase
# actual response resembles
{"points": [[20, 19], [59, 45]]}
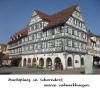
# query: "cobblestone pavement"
{"points": [[35, 71]]}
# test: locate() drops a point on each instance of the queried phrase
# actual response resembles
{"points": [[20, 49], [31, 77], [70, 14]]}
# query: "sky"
{"points": [[15, 14]]}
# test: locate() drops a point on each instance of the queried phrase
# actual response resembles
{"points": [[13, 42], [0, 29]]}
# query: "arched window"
{"points": [[69, 62], [34, 60], [24, 61], [57, 63], [48, 63], [41, 62], [82, 61], [29, 60]]}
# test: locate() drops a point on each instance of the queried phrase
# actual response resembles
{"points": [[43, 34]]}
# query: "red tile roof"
{"points": [[60, 17], [54, 20], [19, 34], [98, 36], [57, 18], [43, 15]]}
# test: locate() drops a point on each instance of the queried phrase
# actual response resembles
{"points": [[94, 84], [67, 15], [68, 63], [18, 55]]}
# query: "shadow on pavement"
{"points": [[5, 73], [82, 72]]}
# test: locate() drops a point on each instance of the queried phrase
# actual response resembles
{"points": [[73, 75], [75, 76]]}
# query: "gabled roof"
{"points": [[19, 34], [43, 15], [60, 17], [56, 19]]}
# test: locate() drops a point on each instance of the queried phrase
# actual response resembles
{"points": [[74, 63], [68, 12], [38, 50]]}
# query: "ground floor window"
{"points": [[24, 61], [82, 61], [41, 62], [58, 63], [34, 62], [48, 63], [69, 62], [29, 60]]}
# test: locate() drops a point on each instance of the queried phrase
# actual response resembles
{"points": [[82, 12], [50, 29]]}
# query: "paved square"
{"points": [[25, 70]]}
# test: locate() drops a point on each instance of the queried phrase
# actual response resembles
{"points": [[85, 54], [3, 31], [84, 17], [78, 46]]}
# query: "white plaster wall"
{"points": [[69, 55], [45, 56], [77, 57], [62, 56]]}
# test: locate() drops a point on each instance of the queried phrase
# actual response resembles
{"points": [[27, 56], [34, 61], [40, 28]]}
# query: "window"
{"points": [[71, 19], [75, 32], [75, 22], [79, 34], [39, 46], [30, 37], [80, 45], [83, 46], [72, 32], [80, 24], [72, 43], [32, 28], [58, 42], [69, 42], [66, 41], [31, 47], [35, 46], [22, 49], [44, 45], [75, 44], [51, 44], [36, 26], [26, 39], [20, 41], [69, 30], [39, 35], [57, 30], [83, 26], [35, 36], [40, 24], [44, 34], [26, 48], [50, 32], [23, 40]]}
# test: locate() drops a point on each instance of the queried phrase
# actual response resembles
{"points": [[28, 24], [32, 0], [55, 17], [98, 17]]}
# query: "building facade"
{"points": [[4, 57], [15, 47], [91, 44], [52, 40], [93, 48]]}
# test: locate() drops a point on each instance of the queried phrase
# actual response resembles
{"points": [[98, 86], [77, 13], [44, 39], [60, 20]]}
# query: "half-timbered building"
{"points": [[52, 40]]}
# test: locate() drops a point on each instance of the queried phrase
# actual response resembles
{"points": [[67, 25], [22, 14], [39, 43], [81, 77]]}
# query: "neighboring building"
{"points": [[96, 38], [97, 46], [91, 44], [3, 48], [4, 57], [51, 40], [15, 46]]}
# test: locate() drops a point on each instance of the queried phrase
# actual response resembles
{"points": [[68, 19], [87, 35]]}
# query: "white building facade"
{"points": [[54, 40]]}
